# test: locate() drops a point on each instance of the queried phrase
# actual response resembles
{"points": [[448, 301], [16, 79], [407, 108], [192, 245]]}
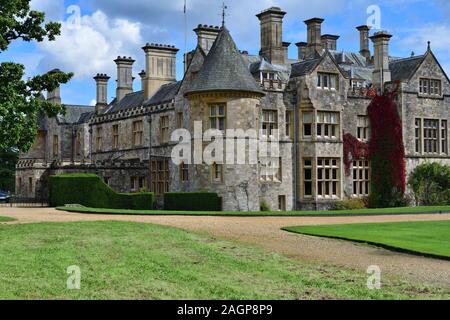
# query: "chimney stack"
{"points": [[160, 61], [54, 97], [381, 73], [272, 47], [124, 76], [143, 75], [364, 41], [301, 50], [206, 36], [314, 27], [329, 41], [101, 81]]}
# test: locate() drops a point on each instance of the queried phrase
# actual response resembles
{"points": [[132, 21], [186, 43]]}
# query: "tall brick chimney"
{"points": [[364, 41], [54, 96], [101, 81], [381, 73], [206, 35], [160, 61], [272, 47], [301, 50], [124, 76], [314, 45]]}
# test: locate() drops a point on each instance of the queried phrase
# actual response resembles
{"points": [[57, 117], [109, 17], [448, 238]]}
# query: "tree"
{"points": [[386, 152], [430, 183], [8, 161], [21, 100]]}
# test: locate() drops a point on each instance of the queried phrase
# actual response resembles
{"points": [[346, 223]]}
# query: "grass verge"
{"points": [[429, 238], [125, 260], [363, 212], [6, 219]]}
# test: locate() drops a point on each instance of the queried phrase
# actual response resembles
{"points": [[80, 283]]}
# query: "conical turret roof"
{"points": [[224, 69]]}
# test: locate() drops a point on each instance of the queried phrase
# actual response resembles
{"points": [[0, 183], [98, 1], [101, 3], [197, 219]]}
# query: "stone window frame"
{"points": [[325, 81], [282, 203], [160, 176], [115, 137], [180, 120], [418, 135], [138, 183], [361, 178], [164, 127], [55, 144], [444, 137], [184, 172], [78, 144], [431, 136], [307, 179], [269, 123], [271, 169], [363, 128], [218, 116], [307, 124], [30, 185], [328, 186], [289, 123], [326, 129], [439, 138], [217, 173], [138, 133], [430, 87], [99, 139]]}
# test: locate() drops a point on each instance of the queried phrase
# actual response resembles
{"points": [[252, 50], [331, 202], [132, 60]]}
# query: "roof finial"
{"points": [[429, 45], [224, 14]]}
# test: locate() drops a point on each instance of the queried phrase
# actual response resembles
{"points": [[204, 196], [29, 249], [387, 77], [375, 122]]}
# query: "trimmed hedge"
{"points": [[90, 191], [192, 201]]}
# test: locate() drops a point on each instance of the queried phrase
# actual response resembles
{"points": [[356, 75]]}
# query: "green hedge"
{"points": [[90, 191], [194, 201]]}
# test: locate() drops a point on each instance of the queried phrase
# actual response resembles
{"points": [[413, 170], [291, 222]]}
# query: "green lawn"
{"points": [[389, 211], [6, 219], [125, 260], [423, 237]]}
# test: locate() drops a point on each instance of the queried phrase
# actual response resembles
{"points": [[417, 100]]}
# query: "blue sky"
{"points": [[104, 29]]}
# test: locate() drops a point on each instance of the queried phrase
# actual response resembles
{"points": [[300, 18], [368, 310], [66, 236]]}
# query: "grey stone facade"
{"points": [[312, 100]]}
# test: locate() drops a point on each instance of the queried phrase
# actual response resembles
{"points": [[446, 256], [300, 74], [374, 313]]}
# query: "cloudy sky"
{"points": [[94, 32]]}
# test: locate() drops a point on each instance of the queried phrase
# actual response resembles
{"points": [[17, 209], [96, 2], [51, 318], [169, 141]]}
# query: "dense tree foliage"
{"points": [[21, 100], [8, 161], [431, 184]]}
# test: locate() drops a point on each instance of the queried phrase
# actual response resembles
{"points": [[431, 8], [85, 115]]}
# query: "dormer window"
{"points": [[430, 87], [327, 81]]}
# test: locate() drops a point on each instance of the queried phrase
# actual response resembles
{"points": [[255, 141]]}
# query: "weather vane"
{"points": [[224, 8]]}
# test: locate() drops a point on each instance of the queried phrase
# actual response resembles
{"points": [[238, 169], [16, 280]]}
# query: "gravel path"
{"points": [[265, 232]]}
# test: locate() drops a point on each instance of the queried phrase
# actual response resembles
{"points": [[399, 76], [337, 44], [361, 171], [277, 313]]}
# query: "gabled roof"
{"points": [[224, 69], [304, 67], [130, 101], [166, 93], [404, 69], [73, 113]]}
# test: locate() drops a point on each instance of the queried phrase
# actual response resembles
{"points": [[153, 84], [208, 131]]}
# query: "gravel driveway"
{"points": [[265, 232]]}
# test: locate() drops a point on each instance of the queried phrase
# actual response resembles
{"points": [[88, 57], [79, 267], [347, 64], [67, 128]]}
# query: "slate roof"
{"points": [[130, 101], [224, 69], [404, 69], [166, 93], [305, 67], [74, 114]]}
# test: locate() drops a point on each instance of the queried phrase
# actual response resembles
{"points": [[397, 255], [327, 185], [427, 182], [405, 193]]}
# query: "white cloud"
{"points": [[88, 44]]}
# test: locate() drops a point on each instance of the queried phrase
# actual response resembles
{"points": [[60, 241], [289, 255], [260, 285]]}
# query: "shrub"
{"points": [[90, 191], [264, 206], [352, 204], [430, 183], [192, 201]]}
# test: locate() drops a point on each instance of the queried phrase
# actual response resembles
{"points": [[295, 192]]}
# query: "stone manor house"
{"points": [[313, 100]]}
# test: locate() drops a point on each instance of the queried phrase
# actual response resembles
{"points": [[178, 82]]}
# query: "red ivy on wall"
{"points": [[353, 149], [385, 150]]}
